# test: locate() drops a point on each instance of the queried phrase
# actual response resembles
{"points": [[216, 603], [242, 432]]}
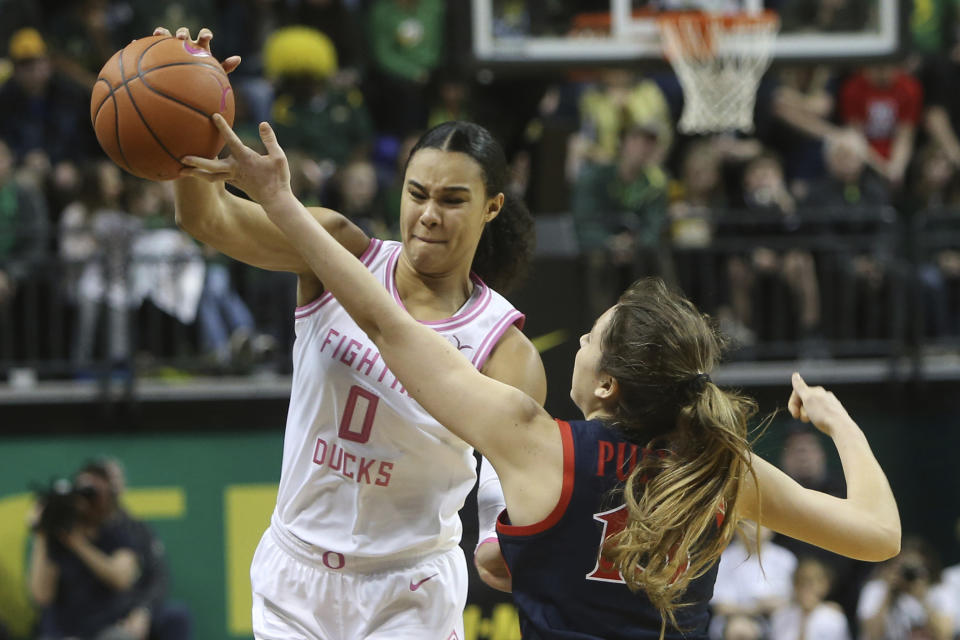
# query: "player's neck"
{"points": [[431, 297]]}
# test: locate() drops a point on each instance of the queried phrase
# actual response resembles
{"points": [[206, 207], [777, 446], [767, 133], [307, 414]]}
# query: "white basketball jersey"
{"points": [[366, 471]]}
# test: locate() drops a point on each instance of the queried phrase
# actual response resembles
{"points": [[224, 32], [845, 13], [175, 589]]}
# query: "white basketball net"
{"points": [[719, 60]]}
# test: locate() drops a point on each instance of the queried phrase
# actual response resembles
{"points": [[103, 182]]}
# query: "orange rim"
{"points": [[694, 29]]}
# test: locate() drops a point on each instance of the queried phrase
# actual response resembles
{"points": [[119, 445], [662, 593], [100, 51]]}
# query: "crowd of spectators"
{"points": [[789, 235]]}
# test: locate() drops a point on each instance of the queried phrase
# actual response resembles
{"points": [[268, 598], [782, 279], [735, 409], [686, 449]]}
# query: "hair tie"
{"points": [[699, 382]]}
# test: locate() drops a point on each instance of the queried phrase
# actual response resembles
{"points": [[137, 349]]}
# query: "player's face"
{"points": [[443, 210], [586, 366]]}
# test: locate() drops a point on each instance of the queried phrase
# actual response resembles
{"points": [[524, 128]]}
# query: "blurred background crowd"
{"points": [[828, 231], [832, 230]]}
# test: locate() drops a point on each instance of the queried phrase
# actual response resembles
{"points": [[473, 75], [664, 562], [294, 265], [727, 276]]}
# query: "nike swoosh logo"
{"points": [[416, 585]]}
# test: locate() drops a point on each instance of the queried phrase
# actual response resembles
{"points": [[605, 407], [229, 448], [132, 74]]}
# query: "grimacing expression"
{"points": [[443, 210]]}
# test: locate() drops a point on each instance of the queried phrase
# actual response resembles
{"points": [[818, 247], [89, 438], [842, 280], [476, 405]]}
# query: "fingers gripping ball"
{"points": [[152, 104]]}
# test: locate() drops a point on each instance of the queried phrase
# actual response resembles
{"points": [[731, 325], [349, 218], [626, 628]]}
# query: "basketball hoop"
{"points": [[719, 59]]}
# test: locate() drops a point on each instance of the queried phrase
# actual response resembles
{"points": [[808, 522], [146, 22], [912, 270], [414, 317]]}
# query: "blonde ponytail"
{"points": [[681, 507]]}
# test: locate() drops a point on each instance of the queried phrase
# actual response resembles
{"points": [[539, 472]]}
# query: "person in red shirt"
{"points": [[884, 103]]}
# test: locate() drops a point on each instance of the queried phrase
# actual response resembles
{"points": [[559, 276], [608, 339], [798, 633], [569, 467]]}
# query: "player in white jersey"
{"points": [[364, 540]]}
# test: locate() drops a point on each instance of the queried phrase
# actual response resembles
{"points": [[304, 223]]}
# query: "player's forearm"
{"points": [[198, 204], [360, 293], [868, 490]]}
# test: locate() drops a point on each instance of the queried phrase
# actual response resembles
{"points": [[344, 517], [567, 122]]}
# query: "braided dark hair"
{"points": [[506, 245]]}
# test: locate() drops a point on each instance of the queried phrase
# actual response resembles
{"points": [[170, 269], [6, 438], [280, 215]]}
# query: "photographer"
{"points": [[82, 566], [902, 603], [167, 620]]}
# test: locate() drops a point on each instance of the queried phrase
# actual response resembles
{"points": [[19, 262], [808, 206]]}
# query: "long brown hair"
{"points": [[661, 350]]}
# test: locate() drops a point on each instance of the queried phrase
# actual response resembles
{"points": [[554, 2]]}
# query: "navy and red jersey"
{"points": [[563, 589]]}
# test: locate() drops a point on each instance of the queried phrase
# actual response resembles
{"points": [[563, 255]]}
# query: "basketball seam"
{"points": [[137, 109], [116, 128], [116, 121], [123, 79], [143, 79], [140, 76]]}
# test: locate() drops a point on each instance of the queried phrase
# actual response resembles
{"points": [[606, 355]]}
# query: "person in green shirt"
{"points": [[24, 235], [932, 26], [406, 41], [619, 213]]}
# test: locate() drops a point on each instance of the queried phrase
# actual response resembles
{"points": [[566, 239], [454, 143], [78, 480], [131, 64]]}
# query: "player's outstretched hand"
{"points": [[816, 405], [262, 177], [202, 42]]}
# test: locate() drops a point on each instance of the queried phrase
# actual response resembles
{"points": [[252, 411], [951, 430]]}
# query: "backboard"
{"points": [[599, 31]]}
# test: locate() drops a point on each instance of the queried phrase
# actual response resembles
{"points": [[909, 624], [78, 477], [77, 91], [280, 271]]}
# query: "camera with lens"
{"points": [[61, 506]]}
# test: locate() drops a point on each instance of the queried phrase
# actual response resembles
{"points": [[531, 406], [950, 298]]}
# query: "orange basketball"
{"points": [[152, 105]]}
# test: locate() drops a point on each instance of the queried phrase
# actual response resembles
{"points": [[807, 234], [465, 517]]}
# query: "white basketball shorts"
{"points": [[300, 593]]}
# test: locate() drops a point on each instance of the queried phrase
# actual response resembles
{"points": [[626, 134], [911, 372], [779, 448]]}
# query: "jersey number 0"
{"points": [[351, 420]]}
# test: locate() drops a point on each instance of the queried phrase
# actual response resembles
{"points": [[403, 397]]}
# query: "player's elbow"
{"points": [[335, 223], [890, 546], [883, 545]]}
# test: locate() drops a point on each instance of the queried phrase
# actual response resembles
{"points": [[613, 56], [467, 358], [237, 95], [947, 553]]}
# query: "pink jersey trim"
{"points": [[486, 347], [371, 251], [313, 307], [497, 540], [366, 258], [487, 540], [566, 492], [471, 313], [478, 304]]}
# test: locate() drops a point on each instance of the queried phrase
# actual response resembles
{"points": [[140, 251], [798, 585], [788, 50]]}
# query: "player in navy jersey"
{"points": [[613, 522]]}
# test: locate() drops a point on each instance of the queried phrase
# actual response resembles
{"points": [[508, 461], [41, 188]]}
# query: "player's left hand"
{"points": [[816, 405], [262, 177], [492, 568], [202, 42]]}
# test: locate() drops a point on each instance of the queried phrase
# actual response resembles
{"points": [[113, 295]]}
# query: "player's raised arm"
{"points": [[240, 228], [473, 406], [233, 225], [865, 525]]}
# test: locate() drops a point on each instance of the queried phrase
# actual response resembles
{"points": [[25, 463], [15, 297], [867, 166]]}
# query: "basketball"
{"points": [[152, 104]]}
